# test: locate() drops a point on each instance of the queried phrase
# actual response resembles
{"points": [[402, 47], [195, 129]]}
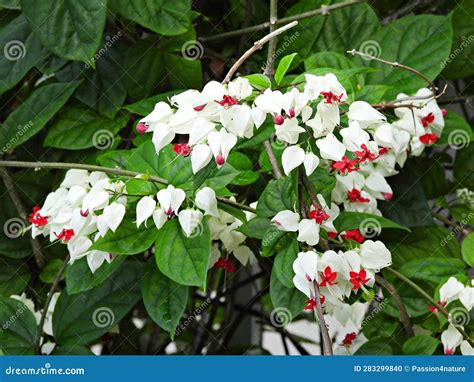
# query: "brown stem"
{"points": [[35, 244], [323, 10], [256, 46], [318, 312], [403, 314], [269, 67], [273, 161]]}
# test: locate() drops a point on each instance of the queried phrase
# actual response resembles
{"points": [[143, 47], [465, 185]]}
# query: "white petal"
{"points": [[311, 162], [466, 296], [451, 339], [375, 255], [190, 220], [331, 148], [199, 131], [159, 218], [75, 177], [113, 215], [206, 200], [145, 208], [292, 157], [308, 232], [286, 220], [450, 290], [258, 117], [200, 157], [162, 136]]}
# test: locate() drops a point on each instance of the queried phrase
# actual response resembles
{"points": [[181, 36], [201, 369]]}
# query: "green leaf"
{"points": [[434, 269], [456, 132], [373, 93], [176, 169], [219, 178], [270, 239], [79, 277], [49, 272], [255, 228], [421, 243], [80, 128], [70, 29], [459, 62], [242, 163], [259, 81], [33, 114], [323, 183], [328, 60], [420, 345], [127, 239], [164, 300], [283, 67], [283, 264], [14, 277], [467, 249], [144, 68], [10, 4], [378, 346], [19, 329], [424, 45], [262, 134], [377, 324], [22, 51], [288, 303], [464, 167], [81, 318], [145, 106], [160, 16], [184, 260], [276, 197], [337, 37], [114, 159], [182, 72], [367, 223]]}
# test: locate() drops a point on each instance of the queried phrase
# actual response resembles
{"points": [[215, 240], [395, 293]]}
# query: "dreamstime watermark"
{"points": [[109, 42], [379, 308], [280, 317], [192, 50], [286, 42], [457, 229], [103, 139], [45, 370], [20, 131], [14, 50], [459, 139], [465, 42], [459, 316], [20, 309], [372, 48], [103, 317], [370, 228], [271, 236], [14, 228], [192, 317]]}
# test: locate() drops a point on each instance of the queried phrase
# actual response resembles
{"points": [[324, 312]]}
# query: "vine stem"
{"points": [[318, 312], [55, 285], [109, 170], [256, 46], [441, 309], [35, 244], [323, 10]]}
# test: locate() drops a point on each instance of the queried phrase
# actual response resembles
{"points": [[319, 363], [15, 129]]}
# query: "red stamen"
{"points": [[182, 149], [354, 195], [36, 218], [358, 279]]}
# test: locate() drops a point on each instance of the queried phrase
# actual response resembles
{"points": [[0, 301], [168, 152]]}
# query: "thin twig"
{"points": [[273, 161], [270, 66], [323, 10], [109, 170], [403, 314], [256, 46], [441, 309], [318, 312], [55, 285], [35, 244]]}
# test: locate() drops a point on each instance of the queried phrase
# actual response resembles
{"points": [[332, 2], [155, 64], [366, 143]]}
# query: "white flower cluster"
{"points": [[85, 207]]}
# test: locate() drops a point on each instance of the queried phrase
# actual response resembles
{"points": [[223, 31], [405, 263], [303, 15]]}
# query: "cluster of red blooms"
{"points": [[227, 101], [330, 97], [429, 138], [182, 149], [354, 195], [358, 279], [224, 264], [349, 165], [65, 235], [349, 339], [328, 277], [318, 214], [353, 235], [312, 303], [36, 219]]}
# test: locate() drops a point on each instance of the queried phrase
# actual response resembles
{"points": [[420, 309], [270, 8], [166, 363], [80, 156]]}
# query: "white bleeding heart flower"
{"points": [[327, 86], [238, 120], [78, 247], [145, 208], [113, 215], [206, 201], [374, 255], [200, 130], [160, 115], [201, 155], [354, 137], [240, 88], [292, 157], [289, 131], [306, 272], [258, 117], [378, 186], [331, 148], [450, 290], [221, 142], [466, 296], [466, 348], [308, 231], [75, 177], [170, 199], [286, 220], [270, 101], [159, 218], [364, 114], [311, 162], [162, 136], [293, 102], [451, 339], [189, 220], [96, 199]]}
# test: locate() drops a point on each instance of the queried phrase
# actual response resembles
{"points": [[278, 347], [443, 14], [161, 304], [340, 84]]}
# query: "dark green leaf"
{"points": [[283, 264], [420, 345], [14, 277], [276, 197], [434, 269], [184, 260], [288, 303], [456, 132], [145, 106], [367, 223], [378, 346], [283, 67], [183, 72], [467, 249], [49, 272]]}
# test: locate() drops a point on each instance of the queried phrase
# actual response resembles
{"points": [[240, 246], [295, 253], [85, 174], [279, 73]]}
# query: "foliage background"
{"points": [[76, 77]]}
